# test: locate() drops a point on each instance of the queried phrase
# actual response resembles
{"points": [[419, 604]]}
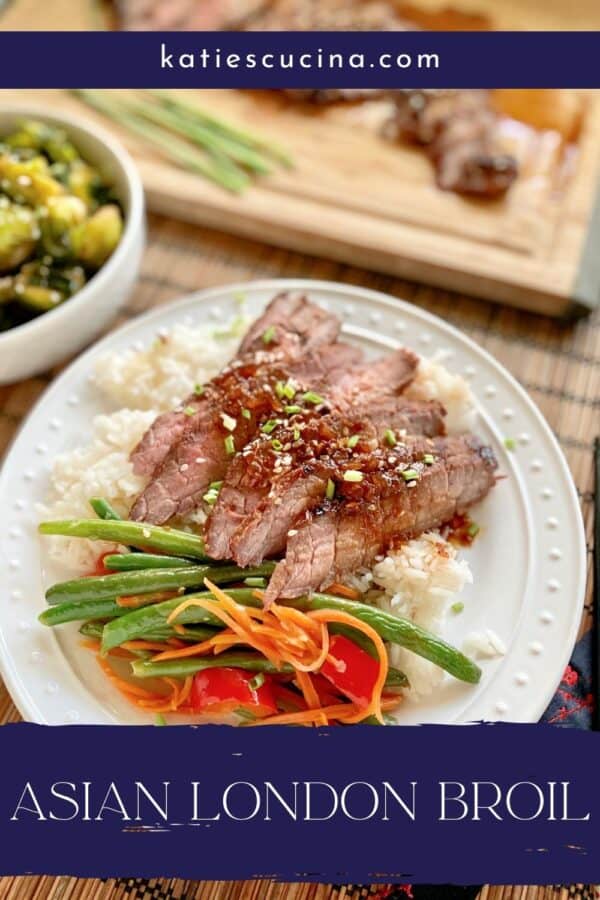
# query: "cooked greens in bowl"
{"points": [[59, 221]]}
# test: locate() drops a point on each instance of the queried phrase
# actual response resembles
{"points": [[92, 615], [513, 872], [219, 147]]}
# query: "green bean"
{"points": [[103, 509], [147, 581], [128, 562], [194, 634], [193, 113], [174, 149], [396, 680], [399, 631], [134, 534], [149, 618], [223, 147], [77, 612], [181, 668], [391, 628]]}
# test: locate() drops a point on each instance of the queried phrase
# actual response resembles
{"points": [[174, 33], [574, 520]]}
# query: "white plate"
{"points": [[528, 563]]}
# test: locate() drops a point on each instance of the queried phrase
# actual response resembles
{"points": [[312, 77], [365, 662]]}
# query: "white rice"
{"points": [[100, 468], [484, 644], [434, 382], [163, 375], [420, 580]]}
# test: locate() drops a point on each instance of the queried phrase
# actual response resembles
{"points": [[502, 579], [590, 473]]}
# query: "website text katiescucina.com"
{"points": [[295, 60]]}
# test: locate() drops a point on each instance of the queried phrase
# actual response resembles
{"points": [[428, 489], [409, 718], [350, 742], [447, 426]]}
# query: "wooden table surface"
{"points": [[558, 363]]}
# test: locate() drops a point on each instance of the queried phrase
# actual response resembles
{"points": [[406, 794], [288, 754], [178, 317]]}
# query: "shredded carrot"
{"points": [[143, 645], [130, 690], [136, 600], [281, 634], [374, 706], [91, 644], [340, 712], [94, 645], [343, 590]]}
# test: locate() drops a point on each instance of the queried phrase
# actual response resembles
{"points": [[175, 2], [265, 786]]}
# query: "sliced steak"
{"points": [[358, 394], [370, 516], [289, 326], [459, 129], [334, 15], [184, 15], [265, 491], [383, 377], [234, 405], [291, 323]]}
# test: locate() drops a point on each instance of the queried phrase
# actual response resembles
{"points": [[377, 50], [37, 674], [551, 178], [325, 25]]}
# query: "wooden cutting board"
{"points": [[353, 197], [356, 198]]}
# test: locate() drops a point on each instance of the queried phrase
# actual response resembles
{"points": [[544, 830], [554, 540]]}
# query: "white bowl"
{"points": [[44, 341]]}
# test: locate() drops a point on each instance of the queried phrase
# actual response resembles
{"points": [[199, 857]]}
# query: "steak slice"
{"points": [[291, 323], [334, 15], [357, 393], [460, 132], [368, 517], [383, 377], [265, 491], [296, 325], [234, 405]]}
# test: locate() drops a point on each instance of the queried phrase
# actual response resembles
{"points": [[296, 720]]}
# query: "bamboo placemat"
{"points": [[559, 364]]}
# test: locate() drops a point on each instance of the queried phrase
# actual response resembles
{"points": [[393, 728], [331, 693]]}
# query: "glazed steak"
{"points": [[459, 129], [284, 473], [231, 409], [289, 326], [392, 496]]}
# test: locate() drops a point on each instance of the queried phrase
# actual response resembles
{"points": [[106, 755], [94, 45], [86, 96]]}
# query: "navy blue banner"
{"points": [[490, 803], [299, 59]]}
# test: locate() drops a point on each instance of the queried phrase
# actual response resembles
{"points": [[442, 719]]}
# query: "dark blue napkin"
{"points": [[571, 706]]}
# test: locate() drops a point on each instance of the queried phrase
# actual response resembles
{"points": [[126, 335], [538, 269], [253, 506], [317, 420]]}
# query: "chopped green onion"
{"points": [[296, 434], [473, 529], [269, 334], [255, 582], [189, 411], [353, 441], [311, 397], [287, 390], [257, 682], [246, 413], [276, 445], [390, 437], [215, 486], [290, 410], [229, 422], [510, 443], [330, 489], [245, 714], [198, 390], [229, 445], [429, 459], [159, 719], [410, 475], [457, 607], [353, 475], [210, 497], [269, 426]]}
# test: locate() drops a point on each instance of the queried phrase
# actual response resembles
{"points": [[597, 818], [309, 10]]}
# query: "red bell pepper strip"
{"points": [[351, 670], [221, 691]]}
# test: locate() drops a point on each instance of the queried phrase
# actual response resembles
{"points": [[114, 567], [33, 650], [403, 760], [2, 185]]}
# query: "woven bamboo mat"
{"points": [[558, 363]]}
